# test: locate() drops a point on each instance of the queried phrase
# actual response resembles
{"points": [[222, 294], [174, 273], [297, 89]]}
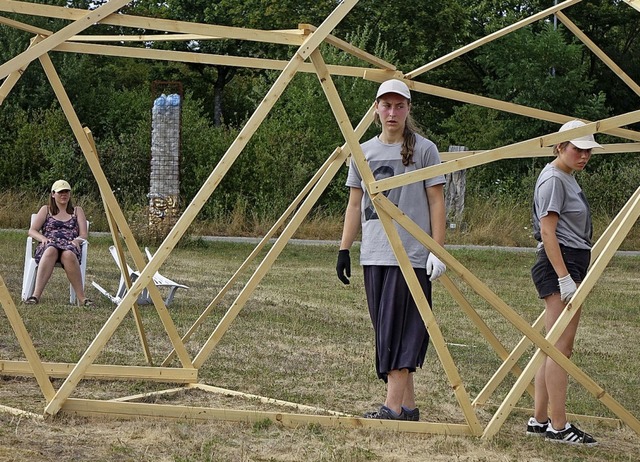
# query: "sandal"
{"points": [[88, 303], [31, 301]]}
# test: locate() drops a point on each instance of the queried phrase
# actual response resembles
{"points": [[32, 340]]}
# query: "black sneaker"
{"points": [[411, 414], [570, 435], [535, 428], [384, 413]]}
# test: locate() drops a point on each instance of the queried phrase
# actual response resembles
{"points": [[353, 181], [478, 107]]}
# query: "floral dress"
{"points": [[60, 234]]}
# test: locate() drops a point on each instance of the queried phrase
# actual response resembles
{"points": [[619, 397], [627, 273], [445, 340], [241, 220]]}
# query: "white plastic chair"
{"points": [[31, 268], [144, 298]]}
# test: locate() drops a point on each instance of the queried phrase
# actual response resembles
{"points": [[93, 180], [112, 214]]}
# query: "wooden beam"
{"points": [[263, 399], [104, 372], [435, 334], [594, 273], [13, 78], [82, 23], [114, 409], [516, 150], [212, 59], [633, 4], [352, 50], [599, 53], [115, 233], [26, 344], [489, 38], [166, 25], [491, 103]]}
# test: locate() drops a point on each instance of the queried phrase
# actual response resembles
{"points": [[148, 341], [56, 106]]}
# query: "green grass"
{"points": [[306, 338]]}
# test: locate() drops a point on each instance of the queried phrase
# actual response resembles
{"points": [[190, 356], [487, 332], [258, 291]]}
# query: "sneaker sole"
{"points": [[572, 443]]}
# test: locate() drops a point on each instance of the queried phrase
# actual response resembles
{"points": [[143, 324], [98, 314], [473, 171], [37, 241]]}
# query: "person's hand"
{"points": [[567, 288], [343, 267], [435, 268]]}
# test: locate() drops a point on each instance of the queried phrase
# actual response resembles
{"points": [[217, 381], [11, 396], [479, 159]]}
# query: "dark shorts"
{"points": [[544, 276], [401, 337]]}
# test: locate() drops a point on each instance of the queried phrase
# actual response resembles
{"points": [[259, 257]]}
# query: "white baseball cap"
{"points": [[582, 142], [394, 86]]}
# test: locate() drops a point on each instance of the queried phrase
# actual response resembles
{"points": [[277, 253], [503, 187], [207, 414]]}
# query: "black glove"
{"points": [[344, 266]]}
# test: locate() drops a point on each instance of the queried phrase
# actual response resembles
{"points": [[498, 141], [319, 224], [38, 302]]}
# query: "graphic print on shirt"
{"points": [[380, 172]]}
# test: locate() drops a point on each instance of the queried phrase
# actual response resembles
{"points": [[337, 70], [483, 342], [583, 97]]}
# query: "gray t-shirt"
{"points": [[385, 161], [559, 192]]}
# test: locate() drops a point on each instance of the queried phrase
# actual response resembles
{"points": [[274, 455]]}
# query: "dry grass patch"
{"points": [[303, 337]]}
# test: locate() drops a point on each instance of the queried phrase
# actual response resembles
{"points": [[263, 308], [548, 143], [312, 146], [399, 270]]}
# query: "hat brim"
{"points": [[585, 144]]}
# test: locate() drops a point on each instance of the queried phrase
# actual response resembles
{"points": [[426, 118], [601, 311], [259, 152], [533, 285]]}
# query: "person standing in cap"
{"points": [[61, 229], [401, 337], [562, 227]]}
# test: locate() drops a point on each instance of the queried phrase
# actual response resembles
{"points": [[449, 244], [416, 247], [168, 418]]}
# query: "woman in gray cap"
{"points": [[562, 226], [401, 337]]}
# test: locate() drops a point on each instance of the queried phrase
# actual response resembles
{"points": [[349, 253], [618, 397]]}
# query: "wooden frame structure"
{"points": [[307, 58]]}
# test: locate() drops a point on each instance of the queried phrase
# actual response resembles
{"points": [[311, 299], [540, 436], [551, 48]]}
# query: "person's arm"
{"points": [[437, 212], [351, 218], [36, 225], [548, 226], [349, 233], [82, 227]]}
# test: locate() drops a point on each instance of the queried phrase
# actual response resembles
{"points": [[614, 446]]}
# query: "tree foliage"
{"points": [[541, 65]]}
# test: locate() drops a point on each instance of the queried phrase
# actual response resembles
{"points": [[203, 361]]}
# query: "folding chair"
{"points": [[31, 268], [144, 298]]}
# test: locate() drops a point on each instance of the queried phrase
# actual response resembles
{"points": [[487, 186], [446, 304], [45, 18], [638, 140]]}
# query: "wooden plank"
{"points": [[509, 363], [613, 148], [113, 227], [13, 78], [336, 155], [606, 236], [617, 70], [82, 23], [263, 399], [119, 313], [633, 3], [489, 38], [26, 344], [103, 372], [114, 409], [519, 149], [381, 204], [212, 59], [98, 173], [19, 412], [24, 26], [165, 25], [352, 50], [544, 344], [563, 320], [511, 108], [485, 330], [323, 31]]}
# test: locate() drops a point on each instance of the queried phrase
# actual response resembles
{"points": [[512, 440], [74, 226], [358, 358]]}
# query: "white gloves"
{"points": [[435, 268], [567, 288]]}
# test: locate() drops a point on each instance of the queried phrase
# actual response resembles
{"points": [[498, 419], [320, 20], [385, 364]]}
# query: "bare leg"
{"points": [[72, 268], [552, 377], [409, 397], [396, 388], [45, 269]]}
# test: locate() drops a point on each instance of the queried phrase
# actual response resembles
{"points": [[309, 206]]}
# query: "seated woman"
{"points": [[61, 229]]}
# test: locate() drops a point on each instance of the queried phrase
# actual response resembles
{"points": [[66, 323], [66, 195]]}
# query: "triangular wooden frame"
{"points": [[306, 59]]}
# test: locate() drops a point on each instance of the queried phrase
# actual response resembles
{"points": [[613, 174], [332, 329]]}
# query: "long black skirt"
{"points": [[400, 334]]}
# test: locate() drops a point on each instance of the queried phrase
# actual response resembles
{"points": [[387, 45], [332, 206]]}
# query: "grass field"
{"points": [[303, 337]]}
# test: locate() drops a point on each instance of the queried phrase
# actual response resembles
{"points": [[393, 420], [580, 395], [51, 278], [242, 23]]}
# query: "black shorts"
{"points": [[545, 277]]}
